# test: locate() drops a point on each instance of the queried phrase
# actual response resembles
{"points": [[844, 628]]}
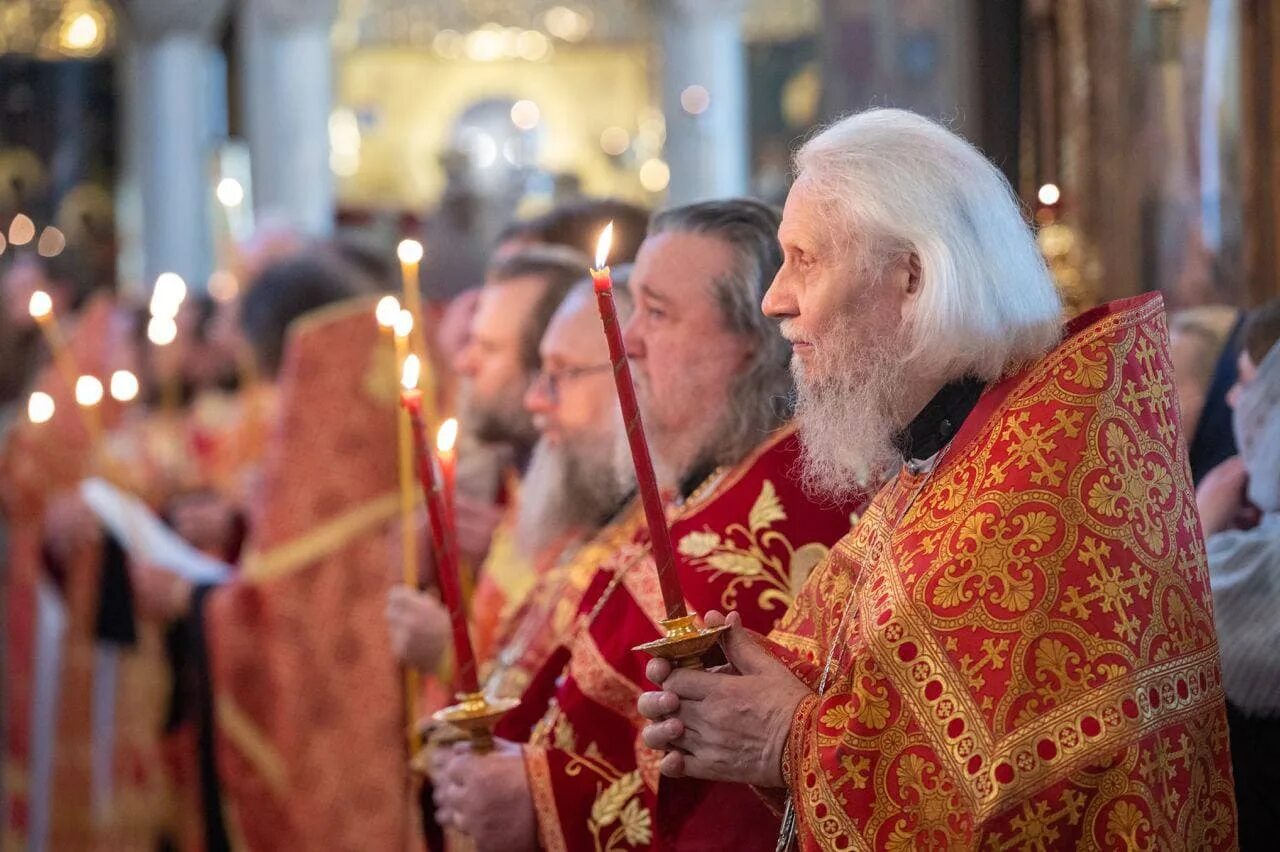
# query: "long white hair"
{"points": [[896, 183]]}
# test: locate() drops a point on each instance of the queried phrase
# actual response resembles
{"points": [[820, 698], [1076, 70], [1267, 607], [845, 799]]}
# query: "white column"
{"points": [[707, 151], [172, 52], [286, 98]]}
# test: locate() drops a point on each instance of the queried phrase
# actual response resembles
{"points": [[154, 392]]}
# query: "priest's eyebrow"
{"points": [[653, 296]]}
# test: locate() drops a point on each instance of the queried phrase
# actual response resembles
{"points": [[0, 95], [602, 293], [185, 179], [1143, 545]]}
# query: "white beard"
{"points": [[843, 411], [572, 487]]}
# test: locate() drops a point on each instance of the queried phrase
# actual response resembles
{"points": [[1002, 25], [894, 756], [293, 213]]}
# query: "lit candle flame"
{"points": [[387, 312], [1049, 194], [124, 386], [412, 370], [41, 305], [88, 391], [603, 246], [40, 407], [167, 297], [162, 330], [409, 251], [447, 437], [403, 324]]}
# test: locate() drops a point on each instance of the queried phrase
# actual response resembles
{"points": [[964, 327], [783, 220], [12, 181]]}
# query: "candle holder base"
{"points": [[475, 716], [685, 642]]}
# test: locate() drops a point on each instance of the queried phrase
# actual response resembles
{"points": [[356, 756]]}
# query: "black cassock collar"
{"points": [[940, 419]]}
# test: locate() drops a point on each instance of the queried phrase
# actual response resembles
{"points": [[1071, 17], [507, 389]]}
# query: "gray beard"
{"points": [[845, 425], [573, 488]]}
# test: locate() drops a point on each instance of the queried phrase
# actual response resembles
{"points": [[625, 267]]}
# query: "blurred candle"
{"points": [[442, 532]]}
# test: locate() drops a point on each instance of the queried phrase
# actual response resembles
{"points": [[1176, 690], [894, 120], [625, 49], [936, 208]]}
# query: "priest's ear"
{"points": [[915, 280], [908, 280]]}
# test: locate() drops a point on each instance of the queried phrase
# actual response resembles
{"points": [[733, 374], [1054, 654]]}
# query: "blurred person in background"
{"points": [[1244, 574], [497, 368], [1221, 495], [1201, 344]]}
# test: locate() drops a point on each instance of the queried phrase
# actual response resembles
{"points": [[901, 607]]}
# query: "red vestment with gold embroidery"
{"points": [[746, 545], [1020, 643]]}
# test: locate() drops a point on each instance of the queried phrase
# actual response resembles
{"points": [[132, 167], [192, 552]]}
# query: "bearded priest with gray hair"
{"points": [[1014, 648]]}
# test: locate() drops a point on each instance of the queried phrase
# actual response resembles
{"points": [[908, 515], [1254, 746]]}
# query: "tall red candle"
{"points": [[442, 531], [646, 480]]}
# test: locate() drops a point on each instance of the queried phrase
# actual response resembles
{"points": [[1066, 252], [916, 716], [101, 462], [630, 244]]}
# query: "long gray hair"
{"points": [[762, 396], [897, 183]]}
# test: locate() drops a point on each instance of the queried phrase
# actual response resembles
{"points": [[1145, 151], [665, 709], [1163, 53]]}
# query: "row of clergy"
{"points": [[950, 535]]}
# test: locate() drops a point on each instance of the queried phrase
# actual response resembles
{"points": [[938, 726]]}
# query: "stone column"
{"points": [[172, 48], [707, 147], [286, 95]]}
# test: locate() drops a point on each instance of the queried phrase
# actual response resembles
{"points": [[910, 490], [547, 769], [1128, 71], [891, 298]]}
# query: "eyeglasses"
{"points": [[555, 379]]}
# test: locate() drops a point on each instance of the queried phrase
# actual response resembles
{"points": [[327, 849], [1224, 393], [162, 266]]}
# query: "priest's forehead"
{"points": [[806, 219], [680, 268]]}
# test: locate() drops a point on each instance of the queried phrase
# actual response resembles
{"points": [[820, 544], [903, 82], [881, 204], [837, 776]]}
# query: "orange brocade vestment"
{"points": [[306, 697], [1021, 646]]}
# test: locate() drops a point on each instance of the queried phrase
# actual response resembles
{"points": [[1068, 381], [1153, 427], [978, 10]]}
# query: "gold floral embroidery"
{"points": [[617, 803], [999, 558], [1125, 823], [754, 553], [1129, 485]]}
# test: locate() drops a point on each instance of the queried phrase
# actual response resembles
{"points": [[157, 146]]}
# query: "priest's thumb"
{"points": [[743, 650]]}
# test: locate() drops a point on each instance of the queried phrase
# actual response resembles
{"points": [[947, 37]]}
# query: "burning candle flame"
{"points": [[412, 370], [40, 407], [88, 391], [409, 251], [167, 297], [447, 437], [603, 246], [162, 330], [404, 323], [41, 305], [387, 312], [124, 386]]}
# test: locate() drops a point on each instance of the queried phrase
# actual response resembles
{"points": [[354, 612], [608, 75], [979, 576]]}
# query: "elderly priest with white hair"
{"points": [[1015, 647]]}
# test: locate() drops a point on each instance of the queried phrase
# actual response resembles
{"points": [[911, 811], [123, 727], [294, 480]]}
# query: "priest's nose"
{"points": [[780, 299], [633, 337]]}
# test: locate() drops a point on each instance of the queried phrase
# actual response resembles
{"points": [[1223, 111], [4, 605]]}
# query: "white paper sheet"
{"points": [[145, 537]]}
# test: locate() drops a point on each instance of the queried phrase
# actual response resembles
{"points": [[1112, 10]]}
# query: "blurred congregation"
{"points": [[274, 272]]}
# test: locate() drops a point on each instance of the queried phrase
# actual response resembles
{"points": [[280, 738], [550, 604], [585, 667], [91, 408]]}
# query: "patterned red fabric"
{"points": [[38, 463], [1021, 646], [746, 545], [308, 700]]}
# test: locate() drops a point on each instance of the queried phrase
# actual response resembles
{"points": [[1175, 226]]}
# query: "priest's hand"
{"points": [[207, 521], [159, 594], [419, 627], [725, 725], [475, 522], [485, 795], [1221, 495]]}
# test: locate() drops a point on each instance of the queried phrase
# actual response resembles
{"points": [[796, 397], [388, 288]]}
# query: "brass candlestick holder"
{"points": [[476, 715], [685, 642], [472, 720]]}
